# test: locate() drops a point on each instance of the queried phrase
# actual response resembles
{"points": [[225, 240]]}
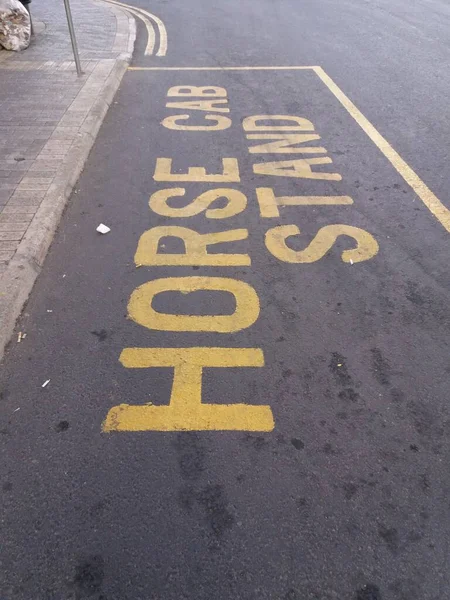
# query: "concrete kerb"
{"points": [[21, 273]]}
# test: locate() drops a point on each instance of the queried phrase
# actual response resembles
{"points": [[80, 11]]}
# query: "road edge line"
{"points": [[18, 280], [149, 25], [153, 19]]}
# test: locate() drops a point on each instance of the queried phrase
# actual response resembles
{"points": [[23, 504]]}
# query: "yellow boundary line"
{"points": [[162, 33], [220, 68], [431, 201], [151, 38], [144, 15]]}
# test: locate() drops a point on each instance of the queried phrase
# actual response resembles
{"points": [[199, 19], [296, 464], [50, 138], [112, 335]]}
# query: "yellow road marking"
{"points": [[299, 167], [219, 68], [162, 34], [185, 411], [366, 245], [434, 205], [236, 203], [162, 51], [148, 24], [269, 203], [144, 15], [431, 201], [245, 314], [230, 172], [196, 247]]}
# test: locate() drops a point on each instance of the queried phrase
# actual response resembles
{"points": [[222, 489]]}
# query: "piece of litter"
{"points": [[19, 337], [24, 335], [49, 310], [103, 228], [64, 275], [351, 262], [46, 383], [339, 364], [17, 409]]}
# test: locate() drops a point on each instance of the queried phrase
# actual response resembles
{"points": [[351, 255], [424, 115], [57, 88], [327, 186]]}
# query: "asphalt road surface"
{"points": [[249, 375]]}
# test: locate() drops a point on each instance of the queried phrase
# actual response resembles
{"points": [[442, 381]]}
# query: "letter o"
{"points": [[246, 313]]}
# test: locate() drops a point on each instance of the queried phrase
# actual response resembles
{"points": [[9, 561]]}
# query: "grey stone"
{"points": [[15, 25]]}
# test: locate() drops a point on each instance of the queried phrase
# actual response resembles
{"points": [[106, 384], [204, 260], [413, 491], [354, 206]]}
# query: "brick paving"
{"points": [[43, 105]]}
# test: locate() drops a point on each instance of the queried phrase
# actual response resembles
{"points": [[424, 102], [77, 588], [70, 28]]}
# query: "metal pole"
{"points": [[72, 37]]}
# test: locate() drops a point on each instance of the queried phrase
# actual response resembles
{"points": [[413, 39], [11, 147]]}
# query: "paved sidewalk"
{"points": [[48, 121]]}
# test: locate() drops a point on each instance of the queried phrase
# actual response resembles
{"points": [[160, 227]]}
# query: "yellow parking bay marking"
{"points": [[220, 68], [431, 201], [434, 205]]}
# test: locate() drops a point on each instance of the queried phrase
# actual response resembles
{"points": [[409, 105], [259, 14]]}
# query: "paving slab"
{"points": [[49, 118]]}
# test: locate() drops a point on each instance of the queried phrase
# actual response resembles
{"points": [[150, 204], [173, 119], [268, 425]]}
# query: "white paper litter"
{"points": [[46, 383], [103, 228]]}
